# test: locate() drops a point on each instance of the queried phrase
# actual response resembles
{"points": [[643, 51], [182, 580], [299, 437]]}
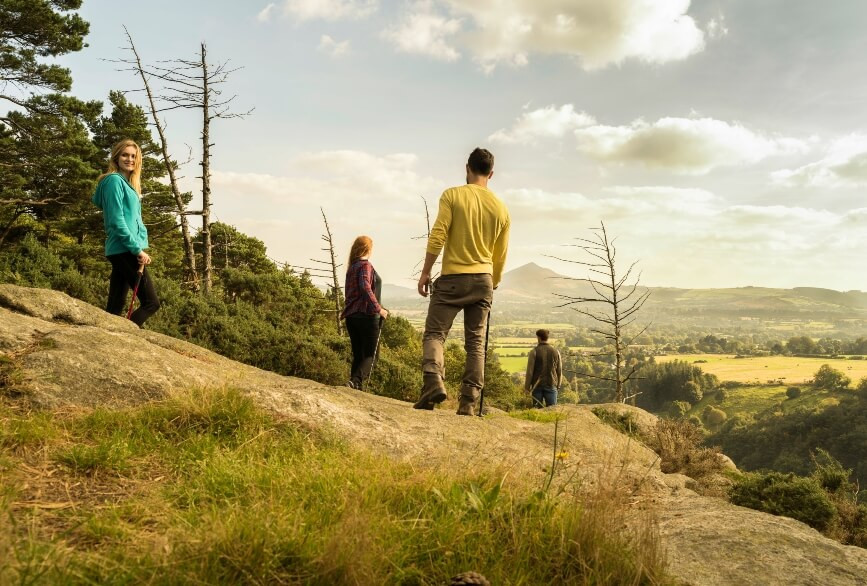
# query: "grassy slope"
{"points": [[750, 400], [207, 488]]}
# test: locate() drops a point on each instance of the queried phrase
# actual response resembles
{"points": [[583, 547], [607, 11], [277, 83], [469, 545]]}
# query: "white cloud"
{"points": [[360, 192], [332, 47], [694, 238], [682, 145], [266, 13], [423, 32], [597, 32], [342, 176], [303, 10], [548, 122], [844, 165]]}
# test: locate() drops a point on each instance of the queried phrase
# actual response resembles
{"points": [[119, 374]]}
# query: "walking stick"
{"points": [[484, 364], [376, 352], [135, 289]]}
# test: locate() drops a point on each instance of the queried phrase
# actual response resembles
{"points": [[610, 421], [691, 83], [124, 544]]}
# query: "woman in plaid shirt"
{"points": [[363, 313]]}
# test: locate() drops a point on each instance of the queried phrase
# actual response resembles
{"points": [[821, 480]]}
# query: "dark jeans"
{"points": [[363, 332], [124, 271], [544, 396]]}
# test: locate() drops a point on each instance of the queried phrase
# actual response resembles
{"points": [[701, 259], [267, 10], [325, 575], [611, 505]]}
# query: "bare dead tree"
{"points": [[417, 268], [135, 63], [332, 263], [619, 302], [196, 84]]}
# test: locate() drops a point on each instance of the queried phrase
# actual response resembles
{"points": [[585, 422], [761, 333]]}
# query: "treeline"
{"points": [[756, 346]]}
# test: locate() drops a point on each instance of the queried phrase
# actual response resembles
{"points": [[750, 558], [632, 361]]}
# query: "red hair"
{"points": [[362, 246]]}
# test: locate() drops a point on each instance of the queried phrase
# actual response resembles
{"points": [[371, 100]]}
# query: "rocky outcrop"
{"points": [[72, 354]]}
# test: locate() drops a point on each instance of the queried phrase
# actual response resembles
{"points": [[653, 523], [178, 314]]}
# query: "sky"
{"points": [[722, 142]]}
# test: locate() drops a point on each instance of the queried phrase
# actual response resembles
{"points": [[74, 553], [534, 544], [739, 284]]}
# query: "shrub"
{"points": [[692, 392], [622, 422], [787, 495], [721, 395], [830, 379], [678, 409], [713, 416], [793, 392], [678, 443]]}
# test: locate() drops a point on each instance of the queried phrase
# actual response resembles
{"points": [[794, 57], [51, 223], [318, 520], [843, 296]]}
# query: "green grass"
{"points": [[761, 369], [207, 488], [512, 341], [538, 415], [751, 400], [512, 364]]}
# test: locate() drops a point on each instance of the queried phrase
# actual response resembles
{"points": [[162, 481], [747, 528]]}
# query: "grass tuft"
{"points": [[539, 415]]}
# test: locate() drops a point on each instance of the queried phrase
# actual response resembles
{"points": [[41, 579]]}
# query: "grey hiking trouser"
{"points": [[472, 294]]}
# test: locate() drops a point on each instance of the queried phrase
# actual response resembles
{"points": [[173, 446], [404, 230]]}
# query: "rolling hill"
{"points": [[534, 292]]}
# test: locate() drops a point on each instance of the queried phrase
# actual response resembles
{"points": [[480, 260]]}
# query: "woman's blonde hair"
{"points": [[113, 167], [362, 246]]}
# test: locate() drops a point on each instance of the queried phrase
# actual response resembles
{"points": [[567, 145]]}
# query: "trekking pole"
{"points": [[484, 364], [135, 289], [376, 351]]}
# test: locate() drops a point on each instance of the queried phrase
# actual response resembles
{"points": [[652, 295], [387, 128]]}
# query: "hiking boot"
{"points": [[350, 384], [433, 393], [466, 406]]}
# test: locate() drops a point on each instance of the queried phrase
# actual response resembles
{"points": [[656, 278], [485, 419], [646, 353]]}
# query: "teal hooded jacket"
{"points": [[121, 208]]}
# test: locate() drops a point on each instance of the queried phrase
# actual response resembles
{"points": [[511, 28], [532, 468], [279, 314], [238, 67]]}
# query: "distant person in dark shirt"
{"points": [[544, 371], [363, 313]]}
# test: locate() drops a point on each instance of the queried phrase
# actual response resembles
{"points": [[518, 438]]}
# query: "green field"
{"points": [[513, 363], [761, 369]]}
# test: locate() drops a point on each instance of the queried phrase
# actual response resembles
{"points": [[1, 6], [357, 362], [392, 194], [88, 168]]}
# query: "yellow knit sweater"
{"points": [[473, 226]]}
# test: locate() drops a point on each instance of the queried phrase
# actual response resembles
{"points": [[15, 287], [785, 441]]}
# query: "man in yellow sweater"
{"points": [[473, 227]]}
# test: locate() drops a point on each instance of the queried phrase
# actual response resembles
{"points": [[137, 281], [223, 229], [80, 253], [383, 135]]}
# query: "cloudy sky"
{"points": [[724, 142]]}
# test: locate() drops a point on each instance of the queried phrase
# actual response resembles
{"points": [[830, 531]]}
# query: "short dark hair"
{"points": [[481, 161], [542, 335]]}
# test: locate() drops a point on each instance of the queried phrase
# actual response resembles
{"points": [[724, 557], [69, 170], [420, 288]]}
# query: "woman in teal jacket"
{"points": [[118, 195]]}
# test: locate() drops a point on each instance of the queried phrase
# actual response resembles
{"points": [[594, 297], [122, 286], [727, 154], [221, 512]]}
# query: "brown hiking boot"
{"points": [[466, 406], [433, 393]]}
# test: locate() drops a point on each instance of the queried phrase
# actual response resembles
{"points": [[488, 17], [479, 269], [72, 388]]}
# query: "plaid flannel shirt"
{"points": [[360, 297]]}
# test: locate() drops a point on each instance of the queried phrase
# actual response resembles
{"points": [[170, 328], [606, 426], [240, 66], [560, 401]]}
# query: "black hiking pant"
{"points": [[363, 332], [124, 271]]}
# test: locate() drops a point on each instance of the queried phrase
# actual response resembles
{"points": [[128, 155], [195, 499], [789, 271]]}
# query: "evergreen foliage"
{"points": [[677, 380]]}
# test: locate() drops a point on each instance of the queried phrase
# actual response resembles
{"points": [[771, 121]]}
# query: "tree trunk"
{"points": [[335, 284], [18, 213], [618, 349], [192, 274], [206, 176]]}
